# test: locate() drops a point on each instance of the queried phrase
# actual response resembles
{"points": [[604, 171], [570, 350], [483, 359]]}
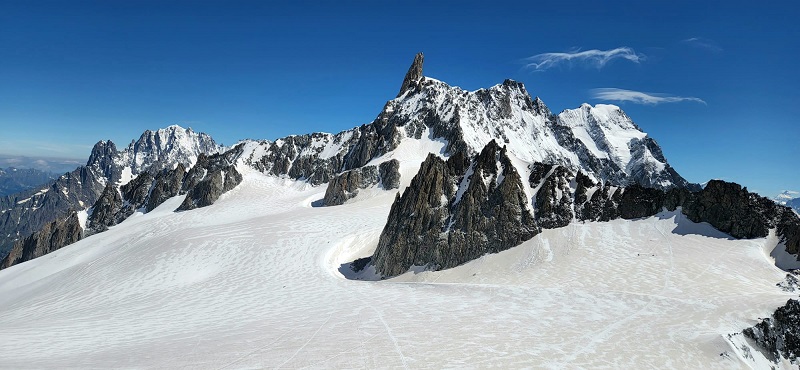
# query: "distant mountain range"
{"points": [[44, 164], [790, 199], [14, 180]]}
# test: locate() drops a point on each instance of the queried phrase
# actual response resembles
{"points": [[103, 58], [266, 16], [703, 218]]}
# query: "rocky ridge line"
{"points": [[455, 211], [467, 121]]}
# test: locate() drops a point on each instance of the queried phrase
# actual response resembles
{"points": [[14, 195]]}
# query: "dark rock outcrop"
{"points": [[780, 334], [455, 211], [312, 157], [167, 184], [24, 213], [389, 172], [345, 186], [732, 209], [211, 177], [636, 201], [52, 237], [205, 193], [413, 75], [103, 160], [554, 199], [106, 212], [136, 191]]}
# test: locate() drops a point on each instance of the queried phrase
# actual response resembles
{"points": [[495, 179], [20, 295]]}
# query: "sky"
{"points": [[714, 83]]}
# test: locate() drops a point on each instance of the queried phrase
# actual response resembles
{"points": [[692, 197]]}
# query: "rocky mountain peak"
{"points": [[166, 147], [102, 159], [413, 75]]}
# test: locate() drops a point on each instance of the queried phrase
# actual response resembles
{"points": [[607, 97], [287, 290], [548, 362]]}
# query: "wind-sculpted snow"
{"points": [[253, 282]]}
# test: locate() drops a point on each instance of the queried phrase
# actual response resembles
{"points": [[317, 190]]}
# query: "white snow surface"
{"points": [[253, 281], [506, 113], [606, 131], [522, 130]]}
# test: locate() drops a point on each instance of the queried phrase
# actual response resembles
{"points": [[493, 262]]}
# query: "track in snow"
{"points": [[252, 281]]}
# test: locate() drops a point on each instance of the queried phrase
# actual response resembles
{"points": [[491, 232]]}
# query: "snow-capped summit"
{"points": [[790, 199], [154, 151], [786, 196], [602, 141], [166, 147]]}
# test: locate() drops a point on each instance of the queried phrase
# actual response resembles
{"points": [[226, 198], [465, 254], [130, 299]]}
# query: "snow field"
{"points": [[253, 282]]}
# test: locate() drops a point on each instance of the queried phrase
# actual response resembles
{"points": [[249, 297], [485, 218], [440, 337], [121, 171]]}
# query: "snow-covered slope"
{"points": [[253, 281]]}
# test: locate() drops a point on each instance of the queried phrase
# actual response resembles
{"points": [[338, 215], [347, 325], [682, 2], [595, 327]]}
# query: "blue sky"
{"points": [[723, 73]]}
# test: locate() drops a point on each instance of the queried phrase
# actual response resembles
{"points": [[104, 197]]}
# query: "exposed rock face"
{"points": [[636, 201], [165, 148], [413, 75], [389, 172], [318, 157], [789, 229], [103, 161], [779, 335], [346, 185], [553, 200], [107, 211], [455, 211], [24, 213], [733, 210], [167, 184], [210, 178], [205, 192], [136, 191], [50, 238]]}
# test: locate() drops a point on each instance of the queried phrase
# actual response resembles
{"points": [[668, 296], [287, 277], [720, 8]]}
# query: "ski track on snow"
{"points": [[252, 282]]}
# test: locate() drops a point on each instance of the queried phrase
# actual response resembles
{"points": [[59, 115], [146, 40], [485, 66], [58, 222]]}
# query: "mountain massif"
{"points": [[33, 221], [471, 174]]}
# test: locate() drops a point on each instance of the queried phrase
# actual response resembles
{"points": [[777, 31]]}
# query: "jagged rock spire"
{"points": [[413, 75]]}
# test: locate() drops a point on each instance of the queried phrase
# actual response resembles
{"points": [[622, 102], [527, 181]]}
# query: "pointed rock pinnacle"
{"points": [[413, 75]]}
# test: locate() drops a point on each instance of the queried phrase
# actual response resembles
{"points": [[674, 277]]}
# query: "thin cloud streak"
{"points": [[703, 43], [594, 57], [638, 97]]}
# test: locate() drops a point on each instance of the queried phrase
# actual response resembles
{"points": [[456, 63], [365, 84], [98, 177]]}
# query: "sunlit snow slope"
{"points": [[252, 282]]}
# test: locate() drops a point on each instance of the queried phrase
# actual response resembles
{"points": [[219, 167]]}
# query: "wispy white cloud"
{"points": [[638, 97], [594, 57], [703, 43]]}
